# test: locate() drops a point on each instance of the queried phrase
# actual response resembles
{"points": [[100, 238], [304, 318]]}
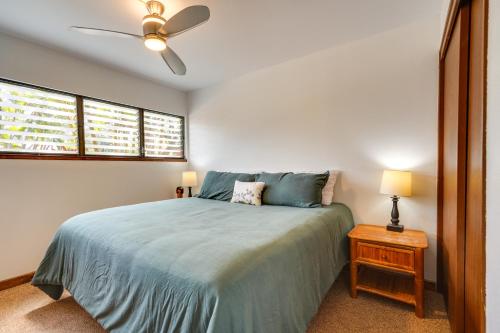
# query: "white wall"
{"points": [[362, 107], [493, 172], [37, 196]]}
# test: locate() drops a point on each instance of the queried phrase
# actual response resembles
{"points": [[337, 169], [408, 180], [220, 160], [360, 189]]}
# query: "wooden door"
{"points": [[454, 147], [461, 175]]}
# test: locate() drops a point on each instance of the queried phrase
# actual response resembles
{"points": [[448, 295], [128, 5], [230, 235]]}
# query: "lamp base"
{"points": [[395, 227]]}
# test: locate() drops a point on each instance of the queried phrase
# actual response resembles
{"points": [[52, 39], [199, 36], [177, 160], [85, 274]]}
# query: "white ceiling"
{"points": [[241, 35]]}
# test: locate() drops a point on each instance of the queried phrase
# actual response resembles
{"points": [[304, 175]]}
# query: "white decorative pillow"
{"points": [[248, 193], [327, 193]]}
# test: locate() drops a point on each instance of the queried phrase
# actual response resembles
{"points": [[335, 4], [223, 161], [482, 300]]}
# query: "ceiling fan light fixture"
{"points": [[155, 42]]}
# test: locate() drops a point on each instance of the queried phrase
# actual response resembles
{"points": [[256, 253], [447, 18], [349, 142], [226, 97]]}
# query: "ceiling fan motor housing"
{"points": [[151, 24], [155, 7]]}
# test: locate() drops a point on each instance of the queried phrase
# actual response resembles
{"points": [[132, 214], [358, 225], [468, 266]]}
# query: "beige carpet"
{"points": [[26, 309]]}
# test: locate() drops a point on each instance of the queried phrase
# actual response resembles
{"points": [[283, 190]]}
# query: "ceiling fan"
{"points": [[157, 30]]}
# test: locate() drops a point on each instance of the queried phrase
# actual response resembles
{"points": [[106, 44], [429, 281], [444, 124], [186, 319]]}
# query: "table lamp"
{"points": [[189, 180], [397, 184]]}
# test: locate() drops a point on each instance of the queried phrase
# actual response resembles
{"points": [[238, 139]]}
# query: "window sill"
{"points": [[88, 158]]}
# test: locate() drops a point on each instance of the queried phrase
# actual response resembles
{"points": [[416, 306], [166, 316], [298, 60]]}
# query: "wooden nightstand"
{"points": [[389, 264]]}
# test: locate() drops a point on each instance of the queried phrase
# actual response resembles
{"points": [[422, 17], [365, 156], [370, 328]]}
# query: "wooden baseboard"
{"points": [[430, 285], [16, 281]]}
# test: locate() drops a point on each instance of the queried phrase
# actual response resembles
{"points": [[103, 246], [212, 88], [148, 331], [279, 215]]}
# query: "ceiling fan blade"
{"points": [[173, 61], [104, 32], [186, 19]]}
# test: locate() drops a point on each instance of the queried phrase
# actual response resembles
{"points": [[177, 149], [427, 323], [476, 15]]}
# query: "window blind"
{"points": [[110, 129], [163, 135], [37, 121]]}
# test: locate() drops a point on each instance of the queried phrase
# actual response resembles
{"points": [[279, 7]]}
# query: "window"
{"points": [[163, 135], [45, 124], [37, 121], [110, 129]]}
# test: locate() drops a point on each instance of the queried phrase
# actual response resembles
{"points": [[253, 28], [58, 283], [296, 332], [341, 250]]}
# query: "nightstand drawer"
{"points": [[386, 256]]}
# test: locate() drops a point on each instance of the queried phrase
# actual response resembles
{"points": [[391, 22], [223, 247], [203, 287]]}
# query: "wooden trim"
{"points": [[381, 266], [464, 17], [81, 135], [142, 148], [475, 260], [68, 157], [440, 286], [80, 123], [449, 23], [430, 285], [183, 120], [16, 281]]}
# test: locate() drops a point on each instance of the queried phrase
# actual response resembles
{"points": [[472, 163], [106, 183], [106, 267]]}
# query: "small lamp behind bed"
{"points": [[189, 180], [397, 184]]}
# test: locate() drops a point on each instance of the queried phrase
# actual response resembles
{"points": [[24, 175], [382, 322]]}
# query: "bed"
{"points": [[198, 265]]}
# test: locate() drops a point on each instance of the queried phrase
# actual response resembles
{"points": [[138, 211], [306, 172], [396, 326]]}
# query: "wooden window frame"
{"points": [[142, 133], [81, 134]]}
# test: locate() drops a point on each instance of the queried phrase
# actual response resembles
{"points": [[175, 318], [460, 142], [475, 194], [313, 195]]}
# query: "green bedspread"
{"points": [[197, 265]]}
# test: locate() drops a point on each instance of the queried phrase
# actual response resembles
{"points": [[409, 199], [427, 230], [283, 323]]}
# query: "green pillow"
{"points": [[220, 185], [293, 189]]}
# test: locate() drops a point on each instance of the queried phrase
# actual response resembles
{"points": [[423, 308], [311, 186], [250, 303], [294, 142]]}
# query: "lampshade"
{"points": [[396, 183], [189, 179]]}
